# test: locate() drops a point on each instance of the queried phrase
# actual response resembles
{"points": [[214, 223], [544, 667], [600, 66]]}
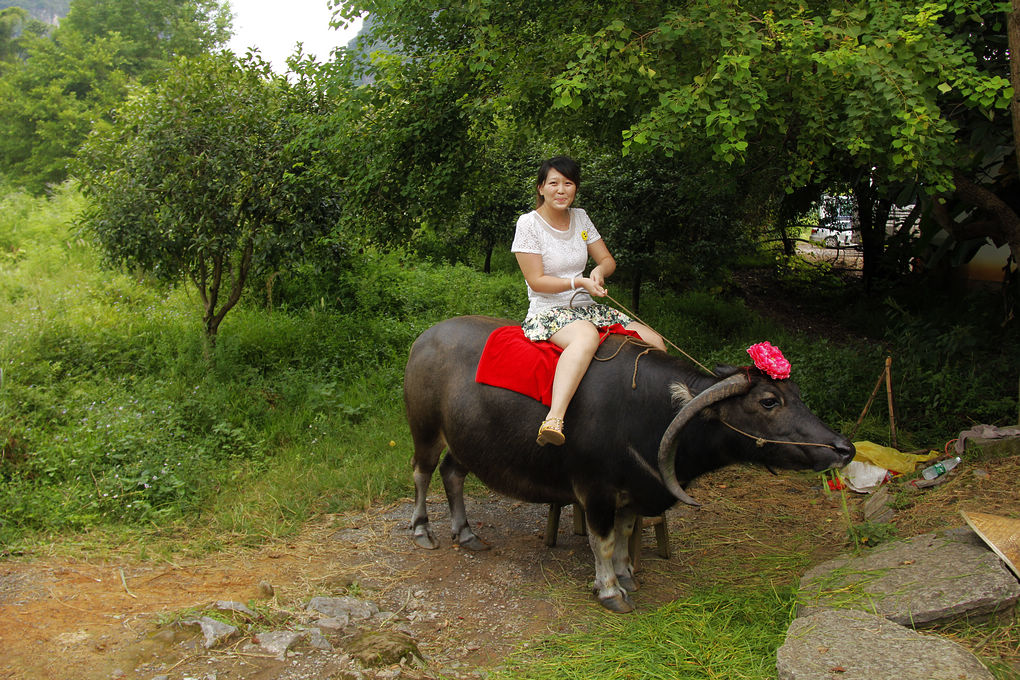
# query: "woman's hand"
{"points": [[592, 286], [605, 265]]}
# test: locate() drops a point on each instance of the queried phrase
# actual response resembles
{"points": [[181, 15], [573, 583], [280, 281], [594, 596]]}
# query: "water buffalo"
{"points": [[630, 450]]}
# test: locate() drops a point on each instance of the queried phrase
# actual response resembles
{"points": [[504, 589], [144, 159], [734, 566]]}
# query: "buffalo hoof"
{"points": [[628, 583], [473, 543], [424, 538], [619, 603]]}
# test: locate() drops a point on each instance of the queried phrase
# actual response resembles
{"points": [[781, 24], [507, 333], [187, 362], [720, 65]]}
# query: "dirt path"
{"points": [[467, 611], [61, 619]]}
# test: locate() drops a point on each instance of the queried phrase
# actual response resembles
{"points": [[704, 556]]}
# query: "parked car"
{"points": [[832, 238], [836, 222]]}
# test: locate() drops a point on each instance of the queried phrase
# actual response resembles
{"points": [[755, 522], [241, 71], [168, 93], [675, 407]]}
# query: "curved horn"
{"points": [[732, 386]]}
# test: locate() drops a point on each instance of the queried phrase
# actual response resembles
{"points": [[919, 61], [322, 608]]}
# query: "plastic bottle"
{"points": [[940, 468]]}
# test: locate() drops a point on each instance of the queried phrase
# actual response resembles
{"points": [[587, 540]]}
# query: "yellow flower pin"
{"points": [[584, 235]]}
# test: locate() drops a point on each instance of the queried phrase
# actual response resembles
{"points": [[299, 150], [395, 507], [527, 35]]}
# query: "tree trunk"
{"points": [[1005, 224], [789, 245], [487, 268], [239, 278], [873, 214]]}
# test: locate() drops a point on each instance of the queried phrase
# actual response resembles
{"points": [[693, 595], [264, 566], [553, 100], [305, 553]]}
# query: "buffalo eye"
{"points": [[769, 403]]}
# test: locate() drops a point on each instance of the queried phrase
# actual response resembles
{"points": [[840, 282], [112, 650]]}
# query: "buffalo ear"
{"points": [[725, 370]]}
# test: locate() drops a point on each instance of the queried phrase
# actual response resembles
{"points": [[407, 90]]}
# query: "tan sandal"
{"points": [[551, 432]]}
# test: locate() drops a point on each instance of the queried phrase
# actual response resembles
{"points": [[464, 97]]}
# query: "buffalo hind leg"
{"points": [[425, 459], [453, 475], [602, 529]]}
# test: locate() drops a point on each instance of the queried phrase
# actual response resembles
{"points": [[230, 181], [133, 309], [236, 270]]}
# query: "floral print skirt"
{"points": [[543, 325]]}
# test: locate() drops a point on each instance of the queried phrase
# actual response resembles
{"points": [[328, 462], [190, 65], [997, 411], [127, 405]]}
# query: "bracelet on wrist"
{"points": [[572, 287]]}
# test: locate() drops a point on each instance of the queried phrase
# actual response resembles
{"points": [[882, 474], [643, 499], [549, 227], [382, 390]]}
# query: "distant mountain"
{"points": [[46, 11], [364, 44]]}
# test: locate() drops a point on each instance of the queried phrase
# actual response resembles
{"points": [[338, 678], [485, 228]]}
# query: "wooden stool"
{"points": [[552, 527]]}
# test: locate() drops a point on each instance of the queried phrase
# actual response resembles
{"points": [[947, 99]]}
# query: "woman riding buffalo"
{"points": [[553, 243]]}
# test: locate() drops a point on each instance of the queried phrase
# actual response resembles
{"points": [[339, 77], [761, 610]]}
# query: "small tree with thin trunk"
{"points": [[207, 177]]}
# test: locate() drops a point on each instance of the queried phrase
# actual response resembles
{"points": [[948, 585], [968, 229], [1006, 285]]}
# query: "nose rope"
{"points": [[762, 441]]}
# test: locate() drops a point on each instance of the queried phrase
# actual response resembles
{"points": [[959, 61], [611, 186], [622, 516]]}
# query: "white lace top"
{"points": [[564, 254]]}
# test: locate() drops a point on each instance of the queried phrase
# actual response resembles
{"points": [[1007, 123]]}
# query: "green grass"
{"points": [[728, 634]]}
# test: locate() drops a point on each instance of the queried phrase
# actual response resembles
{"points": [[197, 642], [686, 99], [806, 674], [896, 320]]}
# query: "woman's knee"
{"points": [[648, 335], [580, 334]]}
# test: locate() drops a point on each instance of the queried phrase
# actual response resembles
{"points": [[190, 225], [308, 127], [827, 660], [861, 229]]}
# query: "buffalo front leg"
{"points": [[424, 464], [623, 527], [453, 475], [602, 529]]}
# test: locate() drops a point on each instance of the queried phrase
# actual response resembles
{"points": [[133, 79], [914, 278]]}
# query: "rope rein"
{"points": [[629, 339], [639, 343], [670, 342], [762, 441]]}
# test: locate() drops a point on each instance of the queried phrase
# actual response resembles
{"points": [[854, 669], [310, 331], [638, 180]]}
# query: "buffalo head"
{"points": [[779, 429]]}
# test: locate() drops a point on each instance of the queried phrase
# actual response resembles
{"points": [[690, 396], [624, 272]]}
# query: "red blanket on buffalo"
{"points": [[511, 361]]}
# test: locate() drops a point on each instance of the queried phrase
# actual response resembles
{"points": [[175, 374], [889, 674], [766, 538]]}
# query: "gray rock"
{"points": [[375, 648], [355, 609], [230, 606], [277, 643], [855, 645], [922, 581], [317, 640], [215, 632], [333, 624]]}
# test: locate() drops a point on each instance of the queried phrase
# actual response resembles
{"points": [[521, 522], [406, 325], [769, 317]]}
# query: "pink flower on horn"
{"points": [[770, 360]]}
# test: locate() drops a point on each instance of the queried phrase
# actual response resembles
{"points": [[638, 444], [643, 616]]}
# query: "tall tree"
{"points": [[871, 94], [901, 96], [68, 80], [209, 177], [1013, 28], [16, 27], [49, 103], [460, 109], [155, 32]]}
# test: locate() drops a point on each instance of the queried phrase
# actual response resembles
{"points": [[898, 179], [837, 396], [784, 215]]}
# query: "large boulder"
{"points": [[855, 645], [928, 579]]}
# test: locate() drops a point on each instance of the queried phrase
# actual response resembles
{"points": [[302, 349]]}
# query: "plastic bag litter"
{"points": [[889, 458], [863, 477], [873, 464]]}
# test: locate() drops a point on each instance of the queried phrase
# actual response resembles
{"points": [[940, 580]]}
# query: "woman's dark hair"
{"points": [[565, 165]]}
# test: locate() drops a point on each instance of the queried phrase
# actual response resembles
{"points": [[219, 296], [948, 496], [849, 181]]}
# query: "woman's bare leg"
{"points": [[579, 341], [647, 334]]}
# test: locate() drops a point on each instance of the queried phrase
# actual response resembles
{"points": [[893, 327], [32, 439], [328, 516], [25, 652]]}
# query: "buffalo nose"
{"points": [[845, 450]]}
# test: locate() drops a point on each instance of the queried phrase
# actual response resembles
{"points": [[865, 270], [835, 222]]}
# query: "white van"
{"points": [[832, 238]]}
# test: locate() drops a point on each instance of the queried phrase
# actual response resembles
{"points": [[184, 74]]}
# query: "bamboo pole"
{"points": [[867, 406], [888, 392]]}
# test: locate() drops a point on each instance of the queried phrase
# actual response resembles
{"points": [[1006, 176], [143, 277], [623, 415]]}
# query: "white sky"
{"points": [[276, 27]]}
